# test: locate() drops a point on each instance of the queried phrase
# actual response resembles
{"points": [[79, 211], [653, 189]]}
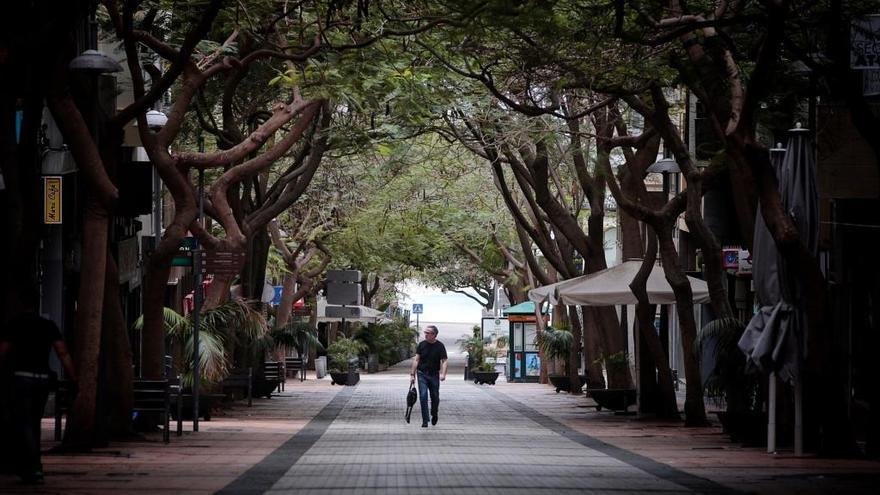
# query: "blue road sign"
{"points": [[417, 309]]}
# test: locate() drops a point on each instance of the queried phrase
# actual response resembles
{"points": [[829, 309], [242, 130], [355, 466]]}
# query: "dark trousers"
{"points": [[429, 383], [29, 401]]}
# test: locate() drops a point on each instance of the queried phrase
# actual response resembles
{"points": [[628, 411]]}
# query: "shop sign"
{"points": [[52, 213], [865, 43]]}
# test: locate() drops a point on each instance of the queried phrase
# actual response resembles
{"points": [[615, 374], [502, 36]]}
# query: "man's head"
{"points": [[431, 334]]}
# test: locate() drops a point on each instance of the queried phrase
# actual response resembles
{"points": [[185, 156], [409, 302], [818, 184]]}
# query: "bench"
{"points": [[239, 380], [273, 371], [295, 365], [150, 396], [154, 396]]}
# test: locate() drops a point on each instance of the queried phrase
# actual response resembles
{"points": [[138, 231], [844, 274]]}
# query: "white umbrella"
{"points": [[610, 287]]}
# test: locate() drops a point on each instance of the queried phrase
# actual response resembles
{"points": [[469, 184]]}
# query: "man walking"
{"points": [[25, 344], [429, 365]]}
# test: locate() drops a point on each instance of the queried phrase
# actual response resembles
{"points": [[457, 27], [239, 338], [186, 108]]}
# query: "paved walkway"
{"points": [[507, 439]]}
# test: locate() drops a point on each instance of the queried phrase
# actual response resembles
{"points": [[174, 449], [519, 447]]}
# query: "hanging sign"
{"points": [[865, 43], [224, 263], [52, 200]]}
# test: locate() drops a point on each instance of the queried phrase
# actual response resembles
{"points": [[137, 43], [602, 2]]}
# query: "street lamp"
{"points": [[156, 120], [664, 166], [94, 61]]}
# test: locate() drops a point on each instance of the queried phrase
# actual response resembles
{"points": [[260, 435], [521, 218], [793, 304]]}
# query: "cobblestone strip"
{"points": [[481, 445], [263, 475], [650, 466]]}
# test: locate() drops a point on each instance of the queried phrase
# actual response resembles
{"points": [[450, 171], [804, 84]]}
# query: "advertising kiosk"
{"points": [[524, 362]]}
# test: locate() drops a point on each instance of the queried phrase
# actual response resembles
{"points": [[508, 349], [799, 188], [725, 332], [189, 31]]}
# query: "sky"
{"points": [[439, 307]]}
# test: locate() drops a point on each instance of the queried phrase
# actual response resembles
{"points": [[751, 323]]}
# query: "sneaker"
{"points": [[434, 419], [424, 424]]}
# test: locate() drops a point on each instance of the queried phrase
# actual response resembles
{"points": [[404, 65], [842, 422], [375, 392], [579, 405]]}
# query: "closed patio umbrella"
{"points": [[775, 337]]}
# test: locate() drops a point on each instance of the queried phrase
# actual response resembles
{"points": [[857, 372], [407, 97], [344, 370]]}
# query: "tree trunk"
{"points": [[694, 409], [218, 293], [592, 349], [155, 285], [666, 402], [574, 358], [80, 430], [253, 276], [282, 314], [116, 356], [614, 343]]}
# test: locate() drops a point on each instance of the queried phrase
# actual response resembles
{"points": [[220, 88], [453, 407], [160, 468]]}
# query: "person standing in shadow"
{"points": [[430, 364], [25, 344]]}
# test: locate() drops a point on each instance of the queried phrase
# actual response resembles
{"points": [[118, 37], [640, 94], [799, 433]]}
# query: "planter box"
{"points": [[614, 399], [264, 388], [561, 382], [481, 377], [348, 378]]}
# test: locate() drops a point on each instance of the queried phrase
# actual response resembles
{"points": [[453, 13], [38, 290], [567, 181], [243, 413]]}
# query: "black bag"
{"points": [[411, 398]]}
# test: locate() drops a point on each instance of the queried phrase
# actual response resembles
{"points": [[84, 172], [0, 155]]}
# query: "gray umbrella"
{"points": [[773, 340]]}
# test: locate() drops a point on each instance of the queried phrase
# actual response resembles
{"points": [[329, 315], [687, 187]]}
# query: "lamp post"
{"points": [[664, 166], [156, 120], [197, 299]]}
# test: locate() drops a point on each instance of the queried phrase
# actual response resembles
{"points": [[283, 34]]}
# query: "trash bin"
{"points": [[321, 366]]}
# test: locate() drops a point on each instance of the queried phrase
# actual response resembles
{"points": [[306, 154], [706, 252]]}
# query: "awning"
{"points": [[610, 287]]}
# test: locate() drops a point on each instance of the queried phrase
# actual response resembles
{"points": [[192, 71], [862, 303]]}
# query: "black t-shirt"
{"points": [[430, 356], [31, 337]]}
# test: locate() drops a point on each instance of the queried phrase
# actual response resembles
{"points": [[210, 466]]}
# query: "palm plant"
{"points": [[717, 341], [220, 329], [555, 343], [213, 364], [342, 351], [298, 335], [473, 346]]}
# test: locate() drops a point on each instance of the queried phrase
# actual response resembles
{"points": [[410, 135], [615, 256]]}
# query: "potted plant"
{"points": [[716, 345], [615, 399], [472, 345], [485, 373], [215, 331], [481, 371], [555, 343], [297, 335], [343, 355]]}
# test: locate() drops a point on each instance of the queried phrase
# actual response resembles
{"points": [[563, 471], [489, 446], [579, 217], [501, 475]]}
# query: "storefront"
{"points": [[524, 362]]}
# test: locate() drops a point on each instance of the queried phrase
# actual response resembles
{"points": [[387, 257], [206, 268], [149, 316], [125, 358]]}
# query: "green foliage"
{"points": [[616, 361], [232, 321], [484, 366], [728, 378], [555, 343], [342, 351], [392, 341], [297, 335]]}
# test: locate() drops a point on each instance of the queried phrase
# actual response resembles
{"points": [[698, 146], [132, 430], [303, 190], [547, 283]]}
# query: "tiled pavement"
{"points": [[507, 439]]}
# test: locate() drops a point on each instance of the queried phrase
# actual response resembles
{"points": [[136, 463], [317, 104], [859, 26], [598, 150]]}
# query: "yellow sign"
{"points": [[52, 199]]}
